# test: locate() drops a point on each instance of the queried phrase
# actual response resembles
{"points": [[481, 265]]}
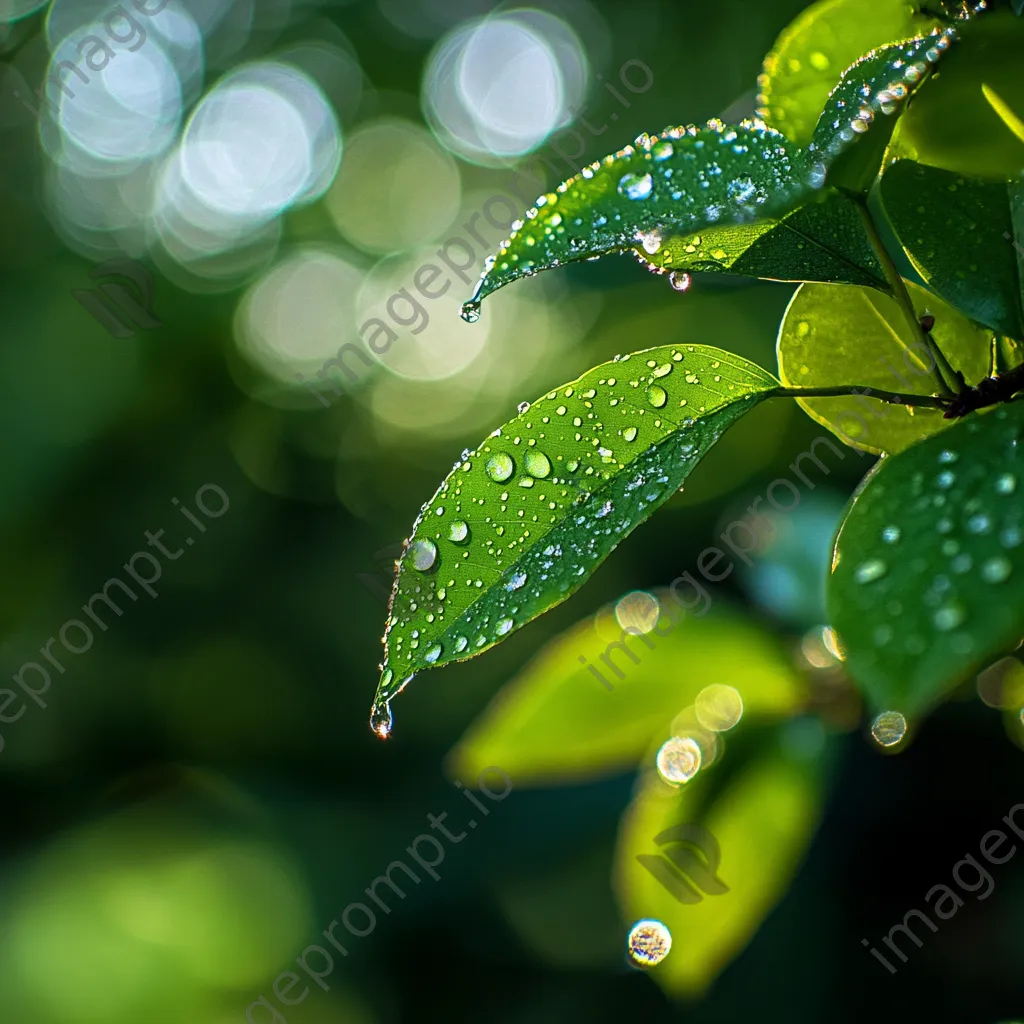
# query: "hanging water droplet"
{"points": [[380, 718], [649, 943], [536, 463], [470, 311], [423, 553], [635, 185], [432, 654], [889, 728], [891, 534], [657, 395], [996, 570], [680, 282], [868, 572], [500, 467], [458, 532]]}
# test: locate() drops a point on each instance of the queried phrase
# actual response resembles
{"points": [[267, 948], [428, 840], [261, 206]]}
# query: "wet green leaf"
{"points": [[681, 181], [754, 821], [927, 584], [523, 521], [841, 334], [822, 241], [558, 722], [955, 232]]}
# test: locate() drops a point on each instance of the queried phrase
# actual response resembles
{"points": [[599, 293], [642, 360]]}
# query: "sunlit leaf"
{"points": [[824, 240], [760, 812], [811, 54], [840, 334], [557, 721], [524, 520], [955, 232], [928, 577], [682, 181]]}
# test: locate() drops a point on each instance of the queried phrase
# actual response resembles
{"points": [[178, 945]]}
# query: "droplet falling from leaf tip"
{"points": [[889, 728], [649, 943], [380, 718], [470, 311]]}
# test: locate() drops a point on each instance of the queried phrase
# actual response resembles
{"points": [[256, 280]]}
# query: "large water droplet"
{"points": [[536, 463], [504, 626], [867, 572], [432, 654], [889, 728], [649, 942], [678, 760], [500, 467], [657, 396], [470, 311], [380, 718], [423, 553], [635, 185], [458, 532], [680, 281]]}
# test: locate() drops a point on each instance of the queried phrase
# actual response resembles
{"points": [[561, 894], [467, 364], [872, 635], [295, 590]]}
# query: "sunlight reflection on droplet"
{"points": [[638, 610], [889, 728], [718, 707], [649, 942], [678, 760], [830, 638]]}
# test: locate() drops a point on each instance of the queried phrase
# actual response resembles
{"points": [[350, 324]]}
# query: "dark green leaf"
{"points": [[522, 522], [809, 57], [927, 583], [556, 722], [840, 334], [754, 819], [955, 232], [682, 181], [822, 241]]}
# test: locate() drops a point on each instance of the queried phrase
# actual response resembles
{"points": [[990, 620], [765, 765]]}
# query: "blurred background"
{"points": [[225, 194]]}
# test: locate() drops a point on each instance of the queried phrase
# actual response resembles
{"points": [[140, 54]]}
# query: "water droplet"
{"points": [[517, 581], [891, 534], [718, 707], [630, 433], [424, 554], [380, 718], [470, 311], [661, 150], [868, 572], [979, 523], [458, 532], [522, 407], [500, 467], [504, 626], [536, 463], [946, 456], [432, 654], [996, 570], [649, 943], [636, 186], [680, 282], [948, 617], [945, 480], [889, 728], [678, 760], [1006, 484], [461, 644], [657, 395]]}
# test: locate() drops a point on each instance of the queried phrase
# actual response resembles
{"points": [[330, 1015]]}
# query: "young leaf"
{"points": [[811, 54], [927, 582], [955, 232], [822, 241], [523, 521], [754, 825], [682, 181], [839, 334], [558, 722]]}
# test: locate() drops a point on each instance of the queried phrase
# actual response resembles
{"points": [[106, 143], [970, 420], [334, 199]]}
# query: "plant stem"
{"points": [[841, 390], [945, 375]]}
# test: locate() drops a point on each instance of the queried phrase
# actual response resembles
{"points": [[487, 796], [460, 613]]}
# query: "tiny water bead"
{"points": [[649, 942], [635, 185], [868, 572], [891, 534], [678, 760], [500, 467], [423, 553], [889, 728], [1006, 484]]}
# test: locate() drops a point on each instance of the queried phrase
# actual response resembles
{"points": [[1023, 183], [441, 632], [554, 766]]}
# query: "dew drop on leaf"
{"points": [[432, 654], [424, 554], [996, 570], [891, 534], [458, 532], [1006, 484], [948, 617], [500, 467], [868, 572], [649, 943], [536, 463], [889, 728], [635, 185], [680, 282], [657, 396]]}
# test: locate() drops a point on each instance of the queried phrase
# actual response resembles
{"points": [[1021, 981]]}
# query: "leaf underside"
{"points": [[927, 583], [522, 522]]}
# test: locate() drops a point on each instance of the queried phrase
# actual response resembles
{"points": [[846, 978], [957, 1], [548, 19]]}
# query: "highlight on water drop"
{"points": [[649, 942], [678, 760], [889, 728]]}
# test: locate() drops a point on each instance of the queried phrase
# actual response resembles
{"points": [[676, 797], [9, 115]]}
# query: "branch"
{"points": [[856, 390]]}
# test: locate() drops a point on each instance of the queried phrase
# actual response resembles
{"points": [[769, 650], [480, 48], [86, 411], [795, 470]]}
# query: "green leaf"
{"points": [[955, 232], [811, 54], [839, 334], [682, 181], [822, 241], [557, 722], [760, 815], [927, 584], [523, 521]]}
